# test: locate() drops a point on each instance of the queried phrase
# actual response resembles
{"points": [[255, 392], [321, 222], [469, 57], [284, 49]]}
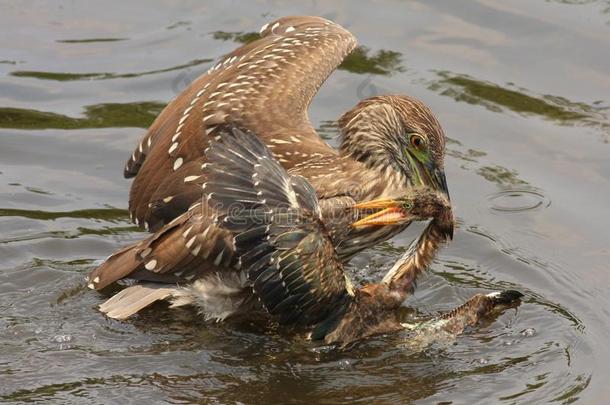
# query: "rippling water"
{"points": [[522, 89]]}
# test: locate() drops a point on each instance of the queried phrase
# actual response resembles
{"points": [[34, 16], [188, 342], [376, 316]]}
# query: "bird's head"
{"points": [[399, 133], [418, 204]]}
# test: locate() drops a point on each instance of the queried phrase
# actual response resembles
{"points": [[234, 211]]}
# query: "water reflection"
{"points": [[572, 393], [107, 214], [500, 175], [240, 37], [90, 40], [496, 98], [178, 24], [469, 155], [64, 77], [105, 115], [383, 62], [361, 60]]}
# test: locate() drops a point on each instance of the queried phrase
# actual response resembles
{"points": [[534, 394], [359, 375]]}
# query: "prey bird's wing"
{"points": [[283, 245], [264, 86]]}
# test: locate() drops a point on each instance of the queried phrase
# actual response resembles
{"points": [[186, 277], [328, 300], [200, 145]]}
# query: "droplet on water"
{"points": [[529, 332], [511, 342], [62, 338], [344, 364]]}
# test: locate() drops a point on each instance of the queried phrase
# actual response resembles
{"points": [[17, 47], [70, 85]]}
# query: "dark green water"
{"points": [[522, 88]]}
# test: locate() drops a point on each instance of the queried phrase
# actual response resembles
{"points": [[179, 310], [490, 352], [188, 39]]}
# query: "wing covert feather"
{"points": [[265, 86]]}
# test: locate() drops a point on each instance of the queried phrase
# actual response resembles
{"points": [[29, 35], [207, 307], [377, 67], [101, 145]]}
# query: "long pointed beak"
{"points": [[440, 181], [391, 213], [377, 204]]}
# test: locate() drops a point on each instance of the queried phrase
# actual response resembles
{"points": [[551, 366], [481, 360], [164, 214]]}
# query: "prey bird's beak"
{"points": [[391, 213]]}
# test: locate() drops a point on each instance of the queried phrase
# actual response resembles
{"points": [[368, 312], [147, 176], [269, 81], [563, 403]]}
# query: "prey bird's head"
{"points": [[419, 204], [399, 133]]}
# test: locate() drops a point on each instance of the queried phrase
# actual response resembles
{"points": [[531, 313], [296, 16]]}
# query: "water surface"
{"points": [[522, 89]]}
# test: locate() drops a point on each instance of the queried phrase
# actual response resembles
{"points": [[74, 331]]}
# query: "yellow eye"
{"points": [[417, 141]]}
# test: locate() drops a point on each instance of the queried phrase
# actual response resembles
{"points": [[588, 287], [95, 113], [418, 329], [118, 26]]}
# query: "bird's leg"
{"points": [[401, 278], [450, 324], [480, 305]]}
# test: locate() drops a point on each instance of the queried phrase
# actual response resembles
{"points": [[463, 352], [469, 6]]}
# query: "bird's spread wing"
{"points": [[284, 247], [265, 86], [192, 244]]}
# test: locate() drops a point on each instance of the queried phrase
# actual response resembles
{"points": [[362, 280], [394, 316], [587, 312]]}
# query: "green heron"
{"points": [[389, 145]]}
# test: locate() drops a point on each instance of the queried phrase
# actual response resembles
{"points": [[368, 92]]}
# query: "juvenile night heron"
{"points": [[389, 144], [288, 259]]}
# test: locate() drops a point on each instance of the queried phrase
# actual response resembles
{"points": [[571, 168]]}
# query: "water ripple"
{"points": [[517, 200]]}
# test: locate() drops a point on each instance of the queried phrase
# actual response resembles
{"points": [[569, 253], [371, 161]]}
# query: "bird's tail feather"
{"points": [[132, 299]]}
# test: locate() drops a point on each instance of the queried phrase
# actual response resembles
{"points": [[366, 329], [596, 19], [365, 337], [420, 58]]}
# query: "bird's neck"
{"points": [[373, 307], [401, 278]]}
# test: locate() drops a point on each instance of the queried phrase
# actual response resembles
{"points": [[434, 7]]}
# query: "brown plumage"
{"points": [[287, 266], [265, 87], [288, 257]]}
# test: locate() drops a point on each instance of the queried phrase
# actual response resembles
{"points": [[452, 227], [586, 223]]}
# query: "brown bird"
{"points": [[237, 186], [289, 269], [389, 144], [287, 253]]}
